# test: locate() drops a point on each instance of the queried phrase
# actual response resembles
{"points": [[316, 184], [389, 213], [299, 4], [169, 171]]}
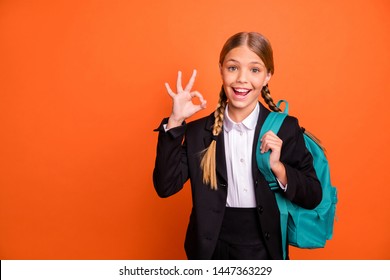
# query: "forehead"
{"points": [[243, 55]]}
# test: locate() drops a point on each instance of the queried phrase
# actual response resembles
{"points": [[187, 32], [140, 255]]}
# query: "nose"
{"points": [[242, 77]]}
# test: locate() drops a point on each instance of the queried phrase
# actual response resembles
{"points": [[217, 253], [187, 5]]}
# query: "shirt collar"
{"points": [[249, 122]]}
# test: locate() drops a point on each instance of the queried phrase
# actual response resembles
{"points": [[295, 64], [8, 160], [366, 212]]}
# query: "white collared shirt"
{"points": [[238, 150]]}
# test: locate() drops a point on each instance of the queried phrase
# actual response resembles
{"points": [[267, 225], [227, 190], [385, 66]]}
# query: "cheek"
{"points": [[224, 80], [259, 83], [227, 78]]}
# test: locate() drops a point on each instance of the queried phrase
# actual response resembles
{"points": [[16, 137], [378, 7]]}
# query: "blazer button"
{"points": [[260, 209], [267, 235], [222, 185]]}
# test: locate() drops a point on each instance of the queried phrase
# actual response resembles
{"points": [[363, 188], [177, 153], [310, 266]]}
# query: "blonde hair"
{"points": [[261, 46], [208, 162]]}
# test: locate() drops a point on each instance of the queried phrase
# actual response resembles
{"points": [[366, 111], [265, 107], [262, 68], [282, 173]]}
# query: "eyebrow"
{"points": [[253, 62]]}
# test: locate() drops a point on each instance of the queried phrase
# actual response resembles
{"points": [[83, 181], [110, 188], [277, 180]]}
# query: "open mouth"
{"points": [[241, 91]]}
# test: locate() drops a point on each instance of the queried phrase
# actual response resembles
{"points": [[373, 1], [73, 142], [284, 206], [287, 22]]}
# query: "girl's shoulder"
{"points": [[205, 123], [291, 121], [290, 127]]}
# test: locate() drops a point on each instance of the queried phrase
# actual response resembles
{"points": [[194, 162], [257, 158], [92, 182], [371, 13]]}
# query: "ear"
{"points": [[269, 75]]}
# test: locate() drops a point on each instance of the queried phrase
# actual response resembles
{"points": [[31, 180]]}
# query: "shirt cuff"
{"points": [[283, 187]]}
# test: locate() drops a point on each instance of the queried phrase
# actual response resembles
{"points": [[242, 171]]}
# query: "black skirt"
{"points": [[240, 236]]}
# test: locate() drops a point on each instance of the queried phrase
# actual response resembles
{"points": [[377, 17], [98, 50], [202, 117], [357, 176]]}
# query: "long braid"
{"points": [[219, 113], [268, 99], [208, 162]]}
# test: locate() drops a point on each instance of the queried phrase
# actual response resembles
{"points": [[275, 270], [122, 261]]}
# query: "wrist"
{"points": [[279, 171], [174, 122]]}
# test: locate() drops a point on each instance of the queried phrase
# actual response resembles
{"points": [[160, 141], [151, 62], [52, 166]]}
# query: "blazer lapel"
{"points": [[221, 159]]}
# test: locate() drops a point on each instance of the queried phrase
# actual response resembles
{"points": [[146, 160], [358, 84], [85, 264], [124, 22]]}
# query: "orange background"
{"points": [[82, 88]]}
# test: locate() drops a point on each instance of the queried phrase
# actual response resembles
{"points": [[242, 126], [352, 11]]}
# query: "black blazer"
{"points": [[178, 159]]}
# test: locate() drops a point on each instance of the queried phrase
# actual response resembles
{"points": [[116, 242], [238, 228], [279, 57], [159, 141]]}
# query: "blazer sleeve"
{"points": [[304, 188], [171, 167]]}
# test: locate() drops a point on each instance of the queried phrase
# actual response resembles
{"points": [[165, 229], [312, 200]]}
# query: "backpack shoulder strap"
{"points": [[273, 122]]}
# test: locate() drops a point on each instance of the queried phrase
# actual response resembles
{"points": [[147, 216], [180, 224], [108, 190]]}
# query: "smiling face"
{"points": [[243, 75]]}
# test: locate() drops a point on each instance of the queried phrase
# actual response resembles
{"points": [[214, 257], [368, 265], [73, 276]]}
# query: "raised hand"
{"points": [[183, 107]]}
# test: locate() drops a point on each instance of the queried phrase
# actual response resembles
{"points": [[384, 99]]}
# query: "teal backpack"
{"points": [[301, 227]]}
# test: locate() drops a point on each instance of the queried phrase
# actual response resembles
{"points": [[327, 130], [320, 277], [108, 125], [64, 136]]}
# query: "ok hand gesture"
{"points": [[183, 107]]}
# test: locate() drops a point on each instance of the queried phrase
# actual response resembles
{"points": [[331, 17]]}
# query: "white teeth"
{"points": [[241, 90]]}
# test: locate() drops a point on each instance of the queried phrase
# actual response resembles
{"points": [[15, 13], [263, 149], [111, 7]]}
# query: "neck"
{"points": [[239, 114]]}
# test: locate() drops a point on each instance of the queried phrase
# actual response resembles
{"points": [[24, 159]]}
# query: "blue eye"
{"points": [[232, 68], [255, 70]]}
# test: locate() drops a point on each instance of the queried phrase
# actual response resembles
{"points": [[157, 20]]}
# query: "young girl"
{"points": [[234, 213]]}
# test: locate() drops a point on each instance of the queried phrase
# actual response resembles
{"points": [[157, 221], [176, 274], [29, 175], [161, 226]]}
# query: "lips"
{"points": [[241, 91]]}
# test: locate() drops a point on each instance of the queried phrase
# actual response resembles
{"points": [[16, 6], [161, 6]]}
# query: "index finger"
{"points": [[270, 133], [191, 81], [179, 87]]}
